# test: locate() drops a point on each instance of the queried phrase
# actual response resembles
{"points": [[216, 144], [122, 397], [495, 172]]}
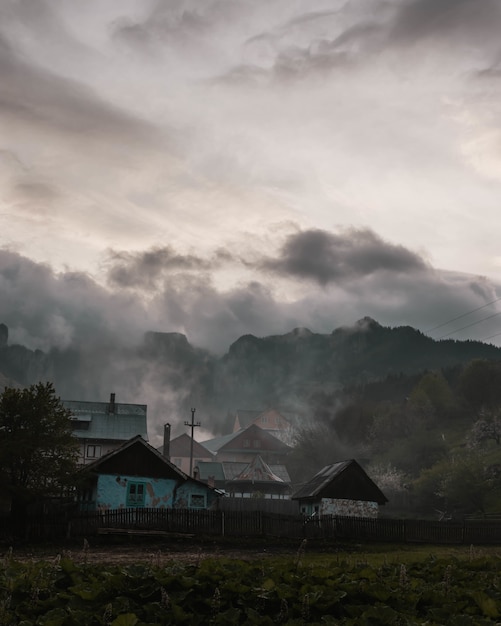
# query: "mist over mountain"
{"points": [[287, 371]]}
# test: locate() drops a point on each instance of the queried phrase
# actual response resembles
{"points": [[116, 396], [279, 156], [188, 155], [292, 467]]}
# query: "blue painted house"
{"points": [[136, 475]]}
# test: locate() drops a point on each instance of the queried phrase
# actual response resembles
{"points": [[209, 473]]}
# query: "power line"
{"points": [[490, 337], [469, 325], [463, 315]]}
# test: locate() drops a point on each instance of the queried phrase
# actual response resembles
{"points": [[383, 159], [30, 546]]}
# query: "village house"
{"points": [[340, 489], [271, 420], [254, 479], [137, 475], [243, 446], [101, 427], [179, 452]]}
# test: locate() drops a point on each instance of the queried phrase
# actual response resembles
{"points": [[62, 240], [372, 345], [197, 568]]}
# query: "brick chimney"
{"points": [[111, 407]]}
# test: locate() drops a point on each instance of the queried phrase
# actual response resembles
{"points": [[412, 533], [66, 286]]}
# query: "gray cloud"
{"points": [[64, 309], [326, 257], [144, 269], [452, 18], [363, 143], [97, 333]]}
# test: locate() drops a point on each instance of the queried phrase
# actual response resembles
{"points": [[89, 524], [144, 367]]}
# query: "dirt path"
{"points": [[157, 554]]}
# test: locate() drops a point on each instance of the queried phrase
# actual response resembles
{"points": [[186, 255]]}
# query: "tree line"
{"points": [[434, 437]]}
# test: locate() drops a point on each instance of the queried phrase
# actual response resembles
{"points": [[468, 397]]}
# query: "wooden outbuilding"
{"points": [[342, 488]]}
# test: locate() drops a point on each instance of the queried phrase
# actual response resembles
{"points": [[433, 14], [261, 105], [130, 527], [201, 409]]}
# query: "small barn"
{"points": [[340, 489], [137, 475]]}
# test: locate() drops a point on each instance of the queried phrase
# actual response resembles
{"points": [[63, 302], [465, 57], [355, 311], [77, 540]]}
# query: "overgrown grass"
{"points": [[365, 584]]}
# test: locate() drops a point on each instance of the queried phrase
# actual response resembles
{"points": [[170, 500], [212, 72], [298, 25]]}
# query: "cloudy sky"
{"points": [[222, 167]]}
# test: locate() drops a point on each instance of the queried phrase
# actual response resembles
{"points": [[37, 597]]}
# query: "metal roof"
{"points": [[181, 447], [218, 442], [208, 469], [228, 470], [125, 420], [257, 471]]}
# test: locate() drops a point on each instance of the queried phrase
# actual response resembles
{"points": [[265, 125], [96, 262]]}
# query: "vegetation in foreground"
{"points": [[446, 586]]}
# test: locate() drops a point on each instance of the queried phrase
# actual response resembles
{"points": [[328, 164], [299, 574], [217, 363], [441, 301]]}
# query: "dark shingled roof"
{"points": [[342, 480]]}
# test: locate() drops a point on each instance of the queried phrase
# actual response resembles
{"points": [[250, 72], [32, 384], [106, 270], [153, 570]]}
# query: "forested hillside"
{"points": [[431, 441]]}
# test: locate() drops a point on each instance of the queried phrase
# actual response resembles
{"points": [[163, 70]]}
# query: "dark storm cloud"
{"points": [[44, 309], [143, 269], [361, 275], [325, 257]]}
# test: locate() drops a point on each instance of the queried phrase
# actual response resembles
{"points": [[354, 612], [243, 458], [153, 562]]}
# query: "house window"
{"points": [[257, 443], [93, 452], [135, 494], [246, 443], [197, 501], [177, 462]]}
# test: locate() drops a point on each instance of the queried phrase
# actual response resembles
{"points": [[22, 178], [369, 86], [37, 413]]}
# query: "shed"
{"points": [[342, 488], [137, 475]]}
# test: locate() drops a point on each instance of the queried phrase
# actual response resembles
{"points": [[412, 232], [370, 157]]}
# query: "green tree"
{"points": [[430, 398], [461, 484], [480, 384], [38, 454], [488, 426]]}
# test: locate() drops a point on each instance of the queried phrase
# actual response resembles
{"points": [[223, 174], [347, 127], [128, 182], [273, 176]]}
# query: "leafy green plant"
{"points": [[277, 590]]}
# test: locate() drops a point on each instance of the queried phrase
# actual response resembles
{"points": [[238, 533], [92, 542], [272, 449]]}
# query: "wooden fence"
{"points": [[165, 522]]}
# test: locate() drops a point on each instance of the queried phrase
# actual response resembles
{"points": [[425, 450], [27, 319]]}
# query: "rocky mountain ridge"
{"points": [[168, 373]]}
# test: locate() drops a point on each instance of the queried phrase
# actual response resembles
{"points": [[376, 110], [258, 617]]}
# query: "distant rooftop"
{"points": [[108, 420]]}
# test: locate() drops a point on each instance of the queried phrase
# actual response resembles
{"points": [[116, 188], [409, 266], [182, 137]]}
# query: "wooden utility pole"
{"points": [[192, 425]]}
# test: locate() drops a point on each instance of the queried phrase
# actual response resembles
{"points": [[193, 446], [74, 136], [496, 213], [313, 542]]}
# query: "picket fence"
{"points": [[189, 522]]}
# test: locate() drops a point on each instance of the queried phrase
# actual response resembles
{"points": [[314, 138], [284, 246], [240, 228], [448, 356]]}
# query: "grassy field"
{"points": [[352, 584]]}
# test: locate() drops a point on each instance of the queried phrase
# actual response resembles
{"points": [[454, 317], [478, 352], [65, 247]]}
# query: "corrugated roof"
{"points": [[257, 471], [181, 447], [228, 470], [125, 422], [210, 468], [84, 407], [218, 442], [321, 480], [268, 441]]}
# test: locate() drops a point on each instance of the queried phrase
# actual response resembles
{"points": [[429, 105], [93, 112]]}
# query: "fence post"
{"points": [[222, 523]]}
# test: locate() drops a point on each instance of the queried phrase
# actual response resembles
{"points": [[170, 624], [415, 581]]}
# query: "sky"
{"points": [[224, 167]]}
